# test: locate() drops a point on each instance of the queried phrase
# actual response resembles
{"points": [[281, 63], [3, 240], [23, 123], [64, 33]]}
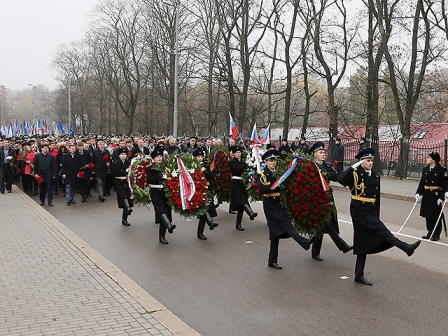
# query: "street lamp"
{"points": [[34, 102], [176, 64], [69, 104]]}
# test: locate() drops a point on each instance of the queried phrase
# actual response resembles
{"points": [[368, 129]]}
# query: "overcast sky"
{"points": [[30, 33]]}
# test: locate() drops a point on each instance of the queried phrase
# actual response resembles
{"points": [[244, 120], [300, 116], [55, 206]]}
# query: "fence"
{"points": [[390, 151]]}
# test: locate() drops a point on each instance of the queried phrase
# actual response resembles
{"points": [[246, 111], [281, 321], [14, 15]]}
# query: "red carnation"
{"points": [[106, 157], [81, 174], [129, 154]]}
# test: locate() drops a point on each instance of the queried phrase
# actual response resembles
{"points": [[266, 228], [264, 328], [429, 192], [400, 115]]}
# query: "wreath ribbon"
{"points": [[130, 171], [186, 184]]}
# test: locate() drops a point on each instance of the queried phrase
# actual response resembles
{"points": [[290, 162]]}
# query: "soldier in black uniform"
{"points": [[200, 154], [318, 150], [280, 226], [370, 233], [432, 187], [239, 201], [157, 193], [119, 170]]}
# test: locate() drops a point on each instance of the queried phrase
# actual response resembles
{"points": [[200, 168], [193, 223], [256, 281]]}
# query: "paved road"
{"points": [[223, 286]]}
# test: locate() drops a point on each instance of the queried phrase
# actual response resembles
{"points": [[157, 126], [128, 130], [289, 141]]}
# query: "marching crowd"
{"points": [[51, 164]]}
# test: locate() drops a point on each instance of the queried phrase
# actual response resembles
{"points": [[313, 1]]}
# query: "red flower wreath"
{"points": [[303, 196], [201, 198], [219, 162]]}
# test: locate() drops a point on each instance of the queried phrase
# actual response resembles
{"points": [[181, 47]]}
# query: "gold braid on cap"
{"points": [[358, 189]]}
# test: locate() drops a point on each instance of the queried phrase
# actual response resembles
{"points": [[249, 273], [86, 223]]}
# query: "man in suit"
{"points": [[45, 166], [70, 168], [101, 161], [140, 148], [84, 180], [6, 153], [208, 146], [432, 187], [370, 234]]}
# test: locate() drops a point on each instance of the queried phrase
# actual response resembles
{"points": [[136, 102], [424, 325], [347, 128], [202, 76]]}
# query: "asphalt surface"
{"points": [[223, 286]]}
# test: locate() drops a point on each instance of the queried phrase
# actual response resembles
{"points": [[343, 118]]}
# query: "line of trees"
{"points": [[287, 63]]}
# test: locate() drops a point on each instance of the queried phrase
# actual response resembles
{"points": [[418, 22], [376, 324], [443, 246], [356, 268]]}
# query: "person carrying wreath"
{"points": [[370, 234], [280, 226], [318, 150], [119, 171], [158, 197], [199, 154], [239, 201]]}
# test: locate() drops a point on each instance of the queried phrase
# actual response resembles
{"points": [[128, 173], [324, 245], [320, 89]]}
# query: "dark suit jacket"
{"points": [[11, 152], [137, 150], [70, 167], [84, 159], [45, 165], [99, 159]]}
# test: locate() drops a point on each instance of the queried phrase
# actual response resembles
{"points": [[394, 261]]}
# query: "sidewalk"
{"points": [[54, 283]]}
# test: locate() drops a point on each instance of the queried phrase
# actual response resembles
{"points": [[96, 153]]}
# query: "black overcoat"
{"points": [[238, 195], [118, 169], [70, 168], [99, 159], [45, 165], [84, 159], [370, 233], [279, 223], [435, 177], [331, 175], [158, 198]]}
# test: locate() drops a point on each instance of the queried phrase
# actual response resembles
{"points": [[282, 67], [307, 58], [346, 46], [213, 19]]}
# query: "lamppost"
{"points": [[34, 102], [69, 104], [175, 4]]}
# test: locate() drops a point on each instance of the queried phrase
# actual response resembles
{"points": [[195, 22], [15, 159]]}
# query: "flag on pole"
{"points": [[71, 131], [233, 129], [266, 138], [254, 136]]}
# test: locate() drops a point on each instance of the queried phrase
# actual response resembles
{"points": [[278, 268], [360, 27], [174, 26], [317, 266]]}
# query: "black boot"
{"points": [[210, 222], [239, 227], [201, 226], [127, 206], [124, 218], [165, 220], [249, 211], [163, 240]]}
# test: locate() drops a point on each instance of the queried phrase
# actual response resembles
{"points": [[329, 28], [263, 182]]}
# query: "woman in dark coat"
{"points": [[119, 170], [239, 201], [370, 234], [157, 193], [199, 154]]}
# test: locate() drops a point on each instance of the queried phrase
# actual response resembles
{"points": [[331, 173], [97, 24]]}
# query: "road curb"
{"points": [[146, 300]]}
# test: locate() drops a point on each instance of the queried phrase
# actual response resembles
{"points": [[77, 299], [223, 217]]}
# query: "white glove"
{"points": [[128, 169], [355, 165], [417, 197], [439, 201], [446, 194]]}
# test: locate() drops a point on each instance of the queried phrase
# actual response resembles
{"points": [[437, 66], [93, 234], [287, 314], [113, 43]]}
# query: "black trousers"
{"points": [[338, 241], [361, 258], [273, 251], [430, 224]]}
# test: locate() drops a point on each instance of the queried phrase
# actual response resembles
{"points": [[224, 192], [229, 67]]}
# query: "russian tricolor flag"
{"points": [[266, 138], [254, 136], [233, 128]]}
